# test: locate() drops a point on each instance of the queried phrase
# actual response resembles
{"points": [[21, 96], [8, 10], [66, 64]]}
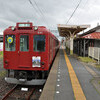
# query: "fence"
{"points": [[94, 52]]}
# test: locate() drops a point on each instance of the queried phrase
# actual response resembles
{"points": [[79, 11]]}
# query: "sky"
{"points": [[49, 13]]}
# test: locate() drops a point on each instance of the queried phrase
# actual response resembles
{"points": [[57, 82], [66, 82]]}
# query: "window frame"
{"points": [[27, 44], [5, 43], [44, 44]]}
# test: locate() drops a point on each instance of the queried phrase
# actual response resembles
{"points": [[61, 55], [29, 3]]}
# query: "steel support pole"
{"points": [[84, 49], [80, 47]]}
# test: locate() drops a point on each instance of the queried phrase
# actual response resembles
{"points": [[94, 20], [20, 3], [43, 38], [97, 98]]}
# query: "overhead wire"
{"points": [[39, 9], [32, 5], [74, 11], [34, 8], [41, 12], [82, 8]]}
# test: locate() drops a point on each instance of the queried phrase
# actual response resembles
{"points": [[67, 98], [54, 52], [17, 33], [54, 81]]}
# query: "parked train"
{"points": [[28, 53]]}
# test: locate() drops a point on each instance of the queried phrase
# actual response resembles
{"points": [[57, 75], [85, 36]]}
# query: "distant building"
{"points": [[88, 39], [1, 42], [1, 38]]}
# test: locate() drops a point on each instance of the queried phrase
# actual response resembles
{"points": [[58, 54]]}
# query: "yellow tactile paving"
{"points": [[78, 92]]}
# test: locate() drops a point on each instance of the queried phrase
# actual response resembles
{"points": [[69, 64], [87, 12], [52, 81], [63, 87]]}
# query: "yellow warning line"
{"points": [[78, 92]]}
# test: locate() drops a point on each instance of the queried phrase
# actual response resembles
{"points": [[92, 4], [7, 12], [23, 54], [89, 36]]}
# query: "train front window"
{"points": [[10, 43], [39, 43], [24, 43]]}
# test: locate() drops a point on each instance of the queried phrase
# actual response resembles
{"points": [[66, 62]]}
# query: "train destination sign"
{"points": [[23, 25]]}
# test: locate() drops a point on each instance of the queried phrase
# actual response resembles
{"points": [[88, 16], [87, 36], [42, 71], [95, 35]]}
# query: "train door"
{"points": [[24, 51], [10, 54], [39, 51]]}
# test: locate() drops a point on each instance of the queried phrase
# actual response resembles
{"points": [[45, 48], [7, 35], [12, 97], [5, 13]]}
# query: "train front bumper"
{"points": [[25, 82]]}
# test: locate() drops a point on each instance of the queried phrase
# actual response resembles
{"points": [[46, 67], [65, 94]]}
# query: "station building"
{"points": [[1, 42], [88, 39], [86, 44]]}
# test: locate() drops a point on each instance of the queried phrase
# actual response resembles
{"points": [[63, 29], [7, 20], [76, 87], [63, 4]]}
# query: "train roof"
{"points": [[26, 27]]}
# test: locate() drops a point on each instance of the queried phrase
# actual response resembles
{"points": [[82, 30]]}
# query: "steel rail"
{"points": [[28, 98], [7, 95]]}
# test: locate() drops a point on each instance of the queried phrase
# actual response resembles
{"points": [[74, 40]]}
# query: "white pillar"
{"points": [[71, 45]]}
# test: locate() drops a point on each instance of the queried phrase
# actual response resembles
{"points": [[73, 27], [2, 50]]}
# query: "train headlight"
{"points": [[35, 28], [12, 28]]}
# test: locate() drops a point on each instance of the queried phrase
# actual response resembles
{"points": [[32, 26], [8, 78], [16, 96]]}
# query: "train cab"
{"points": [[27, 54]]}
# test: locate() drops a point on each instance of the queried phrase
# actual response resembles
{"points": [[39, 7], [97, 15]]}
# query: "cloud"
{"points": [[54, 11]]}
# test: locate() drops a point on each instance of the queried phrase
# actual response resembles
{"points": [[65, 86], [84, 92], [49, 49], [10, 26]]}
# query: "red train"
{"points": [[28, 53]]}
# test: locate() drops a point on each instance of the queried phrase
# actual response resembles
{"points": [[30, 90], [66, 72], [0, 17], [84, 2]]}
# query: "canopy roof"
{"points": [[67, 30], [95, 35]]}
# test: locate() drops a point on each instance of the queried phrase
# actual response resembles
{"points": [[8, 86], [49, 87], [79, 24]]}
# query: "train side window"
{"points": [[24, 43], [39, 43], [10, 43]]}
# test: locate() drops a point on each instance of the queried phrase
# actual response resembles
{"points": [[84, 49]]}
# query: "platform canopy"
{"points": [[67, 30]]}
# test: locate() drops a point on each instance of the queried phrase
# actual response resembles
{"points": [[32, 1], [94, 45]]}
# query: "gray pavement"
{"points": [[65, 88], [65, 91], [58, 87], [84, 78], [94, 69]]}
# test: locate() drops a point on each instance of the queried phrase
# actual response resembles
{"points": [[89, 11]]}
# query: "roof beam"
{"points": [[71, 29]]}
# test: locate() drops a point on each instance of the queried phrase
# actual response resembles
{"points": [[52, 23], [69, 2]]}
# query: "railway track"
{"points": [[8, 94], [28, 98]]}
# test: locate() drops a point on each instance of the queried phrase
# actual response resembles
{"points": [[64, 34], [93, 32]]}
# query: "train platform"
{"points": [[69, 80]]}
